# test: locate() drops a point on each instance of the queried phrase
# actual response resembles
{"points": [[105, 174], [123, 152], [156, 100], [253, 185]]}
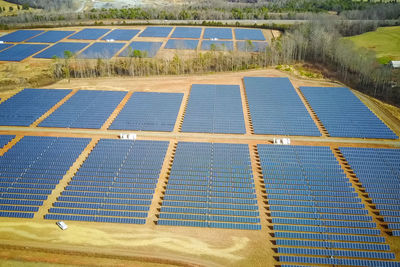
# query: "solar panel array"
{"points": [[182, 44], [214, 109], [344, 115], [20, 51], [217, 33], [4, 46], [58, 50], [51, 36], [89, 34], [31, 169], [378, 170], [276, 108], [28, 105], [147, 49], [249, 34], [149, 111], [315, 210], [211, 185], [115, 184], [155, 31], [121, 35], [101, 50], [85, 109], [5, 139], [187, 32], [20, 35]]}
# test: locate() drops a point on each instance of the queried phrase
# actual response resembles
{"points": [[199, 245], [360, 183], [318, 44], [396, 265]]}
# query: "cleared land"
{"points": [[385, 42]]}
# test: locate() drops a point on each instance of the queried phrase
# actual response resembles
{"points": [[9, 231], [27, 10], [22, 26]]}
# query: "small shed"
{"points": [[395, 64]]}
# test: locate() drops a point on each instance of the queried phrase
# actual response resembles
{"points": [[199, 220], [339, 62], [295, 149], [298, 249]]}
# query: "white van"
{"points": [[62, 225]]}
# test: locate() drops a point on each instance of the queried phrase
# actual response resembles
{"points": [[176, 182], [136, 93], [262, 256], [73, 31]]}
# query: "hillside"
{"points": [[385, 41]]}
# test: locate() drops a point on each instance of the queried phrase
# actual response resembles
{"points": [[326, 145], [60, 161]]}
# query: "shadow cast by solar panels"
{"points": [[51, 36], [217, 33], [58, 50], [155, 31], [20, 51], [182, 44], [141, 49], [20, 35], [217, 45], [249, 34], [187, 32], [89, 34], [149, 111], [101, 50], [249, 46], [121, 35], [344, 115]]}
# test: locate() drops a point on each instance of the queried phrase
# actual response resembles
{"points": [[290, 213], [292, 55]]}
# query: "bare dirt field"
{"points": [[107, 244]]}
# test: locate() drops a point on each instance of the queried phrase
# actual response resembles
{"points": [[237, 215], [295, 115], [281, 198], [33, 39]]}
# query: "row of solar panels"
{"points": [[337, 261], [241, 226], [51, 36], [103, 50], [211, 108]]}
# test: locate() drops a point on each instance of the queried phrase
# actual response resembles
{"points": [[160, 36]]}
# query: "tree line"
{"points": [[217, 10]]}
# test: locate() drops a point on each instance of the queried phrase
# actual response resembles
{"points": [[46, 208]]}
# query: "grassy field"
{"points": [[385, 41]]}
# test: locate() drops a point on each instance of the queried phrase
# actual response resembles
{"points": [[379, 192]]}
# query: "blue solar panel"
{"points": [[85, 109], [51, 37], [121, 35], [148, 49], [4, 139], [28, 105], [31, 157], [182, 44], [58, 50], [187, 32], [276, 108], [217, 33], [378, 171], [294, 219], [89, 34], [96, 199], [249, 34], [20, 51], [4, 46], [217, 45], [20, 35], [154, 31], [101, 50], [247, 46], [344, 115], [147, 111], [214, 109], [207, 163]]}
